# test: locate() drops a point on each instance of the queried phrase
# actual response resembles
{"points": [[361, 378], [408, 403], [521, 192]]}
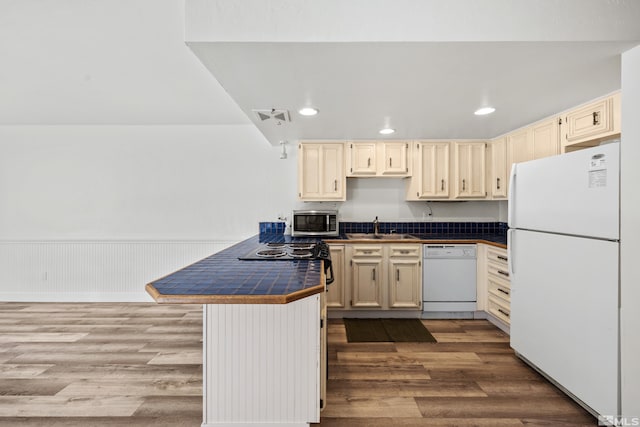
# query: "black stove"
{"points": [[292, 252]]}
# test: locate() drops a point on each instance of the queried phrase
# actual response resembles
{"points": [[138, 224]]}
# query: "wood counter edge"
{"points": [[416, 241], [232, 299]]}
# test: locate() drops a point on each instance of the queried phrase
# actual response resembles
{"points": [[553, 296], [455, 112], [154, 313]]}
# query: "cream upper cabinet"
{"points": [[377, 158], [519, 147], [469, 170], [361, 158], [430, 179], [336, 290], [591, 123], [545, 138], [394, 158], [321, 174], [498, 168]]}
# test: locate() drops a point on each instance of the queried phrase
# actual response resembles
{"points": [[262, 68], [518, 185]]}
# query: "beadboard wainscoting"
{"points": [[262, 364], [93, 271]]}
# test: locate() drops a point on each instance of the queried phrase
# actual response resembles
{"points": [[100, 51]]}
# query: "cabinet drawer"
{"points": [[498, 309], [497, 255], [367, 251], [500, 289], [498, 270], [405, 251]]}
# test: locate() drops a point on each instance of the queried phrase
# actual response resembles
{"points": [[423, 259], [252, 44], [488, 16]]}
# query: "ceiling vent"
{"points": [[277, 117]]}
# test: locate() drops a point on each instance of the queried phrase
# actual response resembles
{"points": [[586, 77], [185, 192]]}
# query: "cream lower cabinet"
{"points": [[366, 276], [498, 285], [405, 276], [380, 277], [335, 291]]}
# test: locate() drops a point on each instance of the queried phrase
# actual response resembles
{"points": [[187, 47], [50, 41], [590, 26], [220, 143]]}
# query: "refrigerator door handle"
{"points": [[510, 259], [512, 196]]}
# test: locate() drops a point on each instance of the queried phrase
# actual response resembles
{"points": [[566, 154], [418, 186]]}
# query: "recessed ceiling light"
{"points": [[386, 131], [308, 111], [484, 111]]}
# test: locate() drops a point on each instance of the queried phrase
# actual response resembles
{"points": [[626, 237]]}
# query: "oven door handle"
{"points": [[328, 267]]}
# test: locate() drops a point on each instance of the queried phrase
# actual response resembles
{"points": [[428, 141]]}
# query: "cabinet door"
{"points": [[309, 171], [365, 282], [545, 139], [362, 157], [589, 121], [469, 170], [518, 149], [433, 170], [336, 290], [332, 172], [405, 284], [498, 170], [394, 158]]}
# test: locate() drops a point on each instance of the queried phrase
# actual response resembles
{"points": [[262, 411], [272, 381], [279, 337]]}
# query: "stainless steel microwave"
{"points": [[315, 223]]}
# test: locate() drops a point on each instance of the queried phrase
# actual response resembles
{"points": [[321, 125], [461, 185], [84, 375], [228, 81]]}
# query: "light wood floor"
{"points": [[141, 365]]}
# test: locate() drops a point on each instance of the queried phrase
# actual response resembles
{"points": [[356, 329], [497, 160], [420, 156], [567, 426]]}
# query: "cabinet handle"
{"points": [[502, 257], [374, 274], [503, 291], [503, 312], [464, 184], [596, 118], [366, 252], [369, 162], [442, 185], [335, 185], [498, 183], [504, 273], [390, 160], [404, 252], [398, 274]]}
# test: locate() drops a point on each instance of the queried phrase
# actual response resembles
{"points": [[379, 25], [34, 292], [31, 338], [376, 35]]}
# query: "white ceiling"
{"points": [[104, 62], [419, 66]]}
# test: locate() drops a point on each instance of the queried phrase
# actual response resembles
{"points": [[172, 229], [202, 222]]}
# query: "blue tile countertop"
{"points": [[224, 279]]}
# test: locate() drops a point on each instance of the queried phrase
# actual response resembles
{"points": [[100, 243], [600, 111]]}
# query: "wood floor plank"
{"points": [[14, 337], [140, 364], [150, 387], [62, 406], [184, 357], [395, 407]]}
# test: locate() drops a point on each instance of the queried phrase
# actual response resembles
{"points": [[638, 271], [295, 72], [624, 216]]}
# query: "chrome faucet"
{"points": [[376, 226]]}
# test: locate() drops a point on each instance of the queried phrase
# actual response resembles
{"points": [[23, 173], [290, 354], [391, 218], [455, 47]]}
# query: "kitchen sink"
{"points": [[371, 236]]}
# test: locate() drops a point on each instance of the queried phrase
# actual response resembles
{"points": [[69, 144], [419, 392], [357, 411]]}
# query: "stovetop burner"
{"points": [[301, 253], [276, 245], [270, 253]]}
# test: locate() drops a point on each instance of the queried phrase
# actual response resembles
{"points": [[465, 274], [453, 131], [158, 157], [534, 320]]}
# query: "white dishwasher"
{"points": [[449, 280]]}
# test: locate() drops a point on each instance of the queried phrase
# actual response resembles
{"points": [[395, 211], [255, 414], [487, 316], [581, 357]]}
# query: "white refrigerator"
{"points": [[563, 247]]}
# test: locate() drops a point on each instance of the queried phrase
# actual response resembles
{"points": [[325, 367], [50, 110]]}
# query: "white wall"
{"points": [[630, 233], [385, 198], [93, 213], [139, 182]]}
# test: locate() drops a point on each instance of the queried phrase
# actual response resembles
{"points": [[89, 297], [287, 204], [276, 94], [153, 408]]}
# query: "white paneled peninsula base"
{"points": [[264, 340], [261, 364]]}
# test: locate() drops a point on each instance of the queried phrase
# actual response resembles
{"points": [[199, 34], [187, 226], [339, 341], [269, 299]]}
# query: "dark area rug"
{"points": [[387, 330]]}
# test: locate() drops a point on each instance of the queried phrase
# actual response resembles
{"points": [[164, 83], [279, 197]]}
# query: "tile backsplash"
{"points": [[405, 227]]}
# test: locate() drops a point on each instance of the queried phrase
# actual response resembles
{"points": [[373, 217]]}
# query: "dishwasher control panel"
{"points": [[449, 251]]}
